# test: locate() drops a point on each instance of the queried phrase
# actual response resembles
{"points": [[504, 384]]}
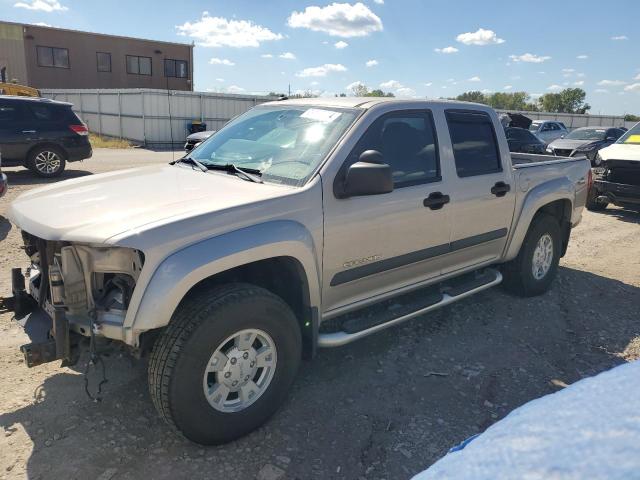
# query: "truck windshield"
{"points": [[632, 136], [587, 134], [284, 143]]}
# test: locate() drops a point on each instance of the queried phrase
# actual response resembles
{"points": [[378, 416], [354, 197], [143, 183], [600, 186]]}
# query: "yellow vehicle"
{"points": [[18, 90]]}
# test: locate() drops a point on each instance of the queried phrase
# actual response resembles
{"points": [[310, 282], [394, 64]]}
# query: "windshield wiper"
{"points": [[192, 161], [250, 174]]}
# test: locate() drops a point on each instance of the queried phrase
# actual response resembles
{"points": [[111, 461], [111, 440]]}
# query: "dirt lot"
{"points": [[385, 407]]}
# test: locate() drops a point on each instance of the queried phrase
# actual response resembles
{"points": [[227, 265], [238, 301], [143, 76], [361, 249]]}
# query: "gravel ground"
{"points": [[385, 407]]}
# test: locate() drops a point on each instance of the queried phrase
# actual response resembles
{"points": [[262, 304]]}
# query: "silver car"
{"points": [[548, 130]]}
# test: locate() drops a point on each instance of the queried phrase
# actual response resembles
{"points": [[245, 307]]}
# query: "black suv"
{"points": [[41, 134]]}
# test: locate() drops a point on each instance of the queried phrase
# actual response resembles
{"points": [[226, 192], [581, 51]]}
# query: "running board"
{"points": [[438, 296]]}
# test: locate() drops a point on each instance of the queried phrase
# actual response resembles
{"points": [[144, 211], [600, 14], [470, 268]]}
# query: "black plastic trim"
{"points": [[414, 257]]}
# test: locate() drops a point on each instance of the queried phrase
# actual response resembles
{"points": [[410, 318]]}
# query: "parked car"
{"points": [[548, 130], [41, 134], [295, 227], [521, 140], [618, 181], [196, 139], [586, 141]]}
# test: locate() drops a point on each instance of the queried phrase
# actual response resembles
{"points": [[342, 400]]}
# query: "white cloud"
{"points": [[634, 87], [620, 37], [428, 84], [579, 83], [601, 90], [371, 63], [355, 84], [221, 61], [391, 84], [611, 83], [486, 91], [42, 5], [322, 70], [405, 92], [554, 88], [338, 19], [340, 45], [580, 75], [235, 89], [637, 77], [220, 32], [41, 24], [314, 83], [220, 80], [379, 2], [582, 57], [474, 79], [446, 50], [535, 95], [508, 87], [568, 70], [479, 37], [266, 55], [287, 56], [529, 58]]}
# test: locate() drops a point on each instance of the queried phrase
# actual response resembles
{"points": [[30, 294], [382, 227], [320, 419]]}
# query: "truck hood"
{"points": [[621, 151], [95, 208]]}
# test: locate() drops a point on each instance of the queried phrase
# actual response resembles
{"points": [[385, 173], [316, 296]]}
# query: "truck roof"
{"points": [[368, 102]]}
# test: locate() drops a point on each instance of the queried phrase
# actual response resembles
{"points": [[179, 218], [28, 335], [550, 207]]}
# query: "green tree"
{"points": [[475, 96], [569, 100], [631, 118], [379, 93]]}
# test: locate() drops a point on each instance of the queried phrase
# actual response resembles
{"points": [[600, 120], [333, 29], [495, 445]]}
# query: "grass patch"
{"points": [[98, 141]]}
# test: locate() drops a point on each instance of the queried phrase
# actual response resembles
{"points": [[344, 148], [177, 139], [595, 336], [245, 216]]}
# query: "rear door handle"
{"points": [[28, 131], [436, 201], [500, 189]]}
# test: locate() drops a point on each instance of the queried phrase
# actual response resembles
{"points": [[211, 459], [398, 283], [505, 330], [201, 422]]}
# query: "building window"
{"points": [[138, 65], [176, 68], [104, 61], [53, 57]]}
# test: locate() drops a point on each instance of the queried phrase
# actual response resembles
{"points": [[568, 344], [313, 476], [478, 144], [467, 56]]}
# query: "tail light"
{"points": [[589, 180], [80, 129]]}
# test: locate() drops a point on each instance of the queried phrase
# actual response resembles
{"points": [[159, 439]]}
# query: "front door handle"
{"points": [[28, 131], [500, 189], [436, 201]]}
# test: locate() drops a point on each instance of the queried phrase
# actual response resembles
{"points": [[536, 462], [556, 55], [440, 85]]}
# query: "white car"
{"points": [[548, 130]]}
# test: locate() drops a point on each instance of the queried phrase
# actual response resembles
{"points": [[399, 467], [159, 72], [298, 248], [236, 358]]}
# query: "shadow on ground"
{"points": [[26, 177], [5, 227], [622, 214], [385, 407]]}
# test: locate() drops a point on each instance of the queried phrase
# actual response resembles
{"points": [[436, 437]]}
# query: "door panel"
{"points": [[14, 135], [480, 219], [378, 243]]}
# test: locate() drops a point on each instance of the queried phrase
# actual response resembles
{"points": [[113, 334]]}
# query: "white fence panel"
{"points": [[153, 117]]}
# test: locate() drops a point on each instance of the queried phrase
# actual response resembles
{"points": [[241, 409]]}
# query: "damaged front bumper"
{"points": [[46, 326], [619, 194]]}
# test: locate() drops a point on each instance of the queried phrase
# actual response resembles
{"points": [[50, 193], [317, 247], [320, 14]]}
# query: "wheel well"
{"points": [[282, 276], [561, 211], [46, 144]]}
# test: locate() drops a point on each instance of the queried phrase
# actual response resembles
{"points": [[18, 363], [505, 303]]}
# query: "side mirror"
{"points": [[611, 139], [368, 176]]}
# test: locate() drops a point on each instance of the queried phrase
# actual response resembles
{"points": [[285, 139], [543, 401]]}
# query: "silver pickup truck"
{"points": [[294, 227]]}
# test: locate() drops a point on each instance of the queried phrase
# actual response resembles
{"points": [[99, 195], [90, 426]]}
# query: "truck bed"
{"points": [[526, 159]]}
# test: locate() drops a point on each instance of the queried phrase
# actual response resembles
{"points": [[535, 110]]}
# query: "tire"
{"points": [[592, 204], [518, 274], [47, 161], [597, 161], [198, 328]]}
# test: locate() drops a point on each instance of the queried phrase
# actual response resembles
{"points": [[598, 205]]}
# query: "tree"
{"points": [[569, 100], [359, 90], [379, 93], [474, 96], [631, 118]]}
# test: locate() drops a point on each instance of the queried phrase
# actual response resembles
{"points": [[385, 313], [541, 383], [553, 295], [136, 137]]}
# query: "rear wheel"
{"points": [[535, 267], [225, 363], [46, 161]]}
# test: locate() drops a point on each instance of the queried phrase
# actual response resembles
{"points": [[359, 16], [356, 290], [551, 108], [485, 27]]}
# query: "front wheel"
{"points": [[536, 265], [225, 363]]}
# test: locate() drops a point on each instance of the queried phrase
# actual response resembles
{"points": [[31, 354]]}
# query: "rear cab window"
{"points": [[474, 141]]}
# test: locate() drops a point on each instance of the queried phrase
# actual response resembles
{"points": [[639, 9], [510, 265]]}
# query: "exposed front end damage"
{"points": [[70, 291], [619, 183]]}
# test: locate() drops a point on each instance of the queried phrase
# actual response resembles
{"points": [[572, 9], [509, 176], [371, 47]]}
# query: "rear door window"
{"points": [[10, 112], [474, 141]]}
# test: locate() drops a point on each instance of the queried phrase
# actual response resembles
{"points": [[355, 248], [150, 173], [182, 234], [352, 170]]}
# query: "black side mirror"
{"points": [[368, 176]]}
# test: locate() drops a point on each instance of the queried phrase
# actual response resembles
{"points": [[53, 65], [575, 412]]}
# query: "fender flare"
{"points": [[538, 197], [180, 271]]}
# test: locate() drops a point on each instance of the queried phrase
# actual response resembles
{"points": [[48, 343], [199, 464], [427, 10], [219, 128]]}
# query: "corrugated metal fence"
{"points": [[156, 117], [153, 117]]}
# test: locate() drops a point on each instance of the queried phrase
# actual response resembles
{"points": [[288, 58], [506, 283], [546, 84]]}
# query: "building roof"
{"points": [[30, 25]]}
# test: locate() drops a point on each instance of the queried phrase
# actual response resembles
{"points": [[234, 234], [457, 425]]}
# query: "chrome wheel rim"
{"points": [[542, 257], [240, 370], [47, 162]]}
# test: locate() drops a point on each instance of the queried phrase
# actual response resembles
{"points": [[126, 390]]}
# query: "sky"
{"points": [[414, 48]]}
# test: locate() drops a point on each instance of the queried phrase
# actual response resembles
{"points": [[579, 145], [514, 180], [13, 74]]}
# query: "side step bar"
{"points": [[447, 294]]}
